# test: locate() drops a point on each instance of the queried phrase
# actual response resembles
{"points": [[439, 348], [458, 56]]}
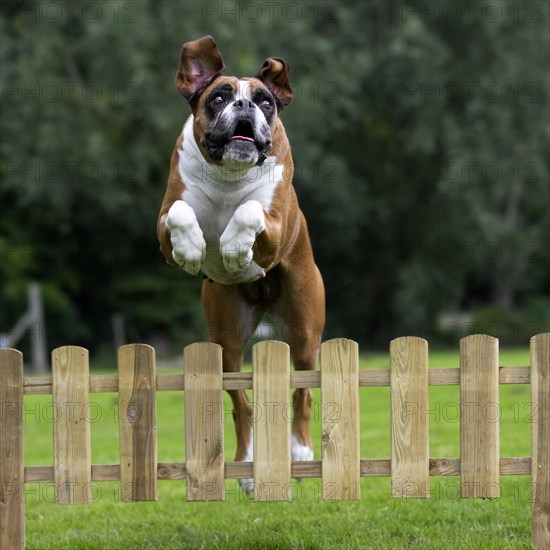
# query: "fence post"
{"points": [[203, 401], [137, 422], [71, 426], [410, 460], [271, 380], [341, 458], [12, 470], [479, 417], [540, 439]]}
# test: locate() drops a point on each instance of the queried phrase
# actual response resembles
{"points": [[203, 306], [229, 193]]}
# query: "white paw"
{"points": [[188, 245], [247, 485], [239, 236], [299, 451]]}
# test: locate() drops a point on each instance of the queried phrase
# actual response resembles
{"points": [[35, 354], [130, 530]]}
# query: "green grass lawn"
{"points": [[375, 521]]}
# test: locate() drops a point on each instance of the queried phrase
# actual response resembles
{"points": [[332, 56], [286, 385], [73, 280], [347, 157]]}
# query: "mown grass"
{"points": [[375, 521]]}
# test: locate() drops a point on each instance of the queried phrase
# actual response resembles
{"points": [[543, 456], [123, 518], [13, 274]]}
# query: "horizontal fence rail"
{"points": [[340, 468], [298, 379]]}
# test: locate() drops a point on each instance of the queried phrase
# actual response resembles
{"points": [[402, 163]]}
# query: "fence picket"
{"points": [[12, 476], [479, 417], [340, 420], [540, 439], [271, 368], [204, 458], [410, 463], [137, 422], [71, 428]]}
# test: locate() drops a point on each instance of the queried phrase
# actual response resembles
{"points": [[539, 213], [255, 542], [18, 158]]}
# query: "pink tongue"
{"points": [[243, 138]]}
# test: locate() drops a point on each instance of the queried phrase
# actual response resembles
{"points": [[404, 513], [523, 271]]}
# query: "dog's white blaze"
{"points": [[244, 91]]}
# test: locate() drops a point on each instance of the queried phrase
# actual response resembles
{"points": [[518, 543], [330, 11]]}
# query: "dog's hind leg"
{"points": [[231, 322], [301, 314]]}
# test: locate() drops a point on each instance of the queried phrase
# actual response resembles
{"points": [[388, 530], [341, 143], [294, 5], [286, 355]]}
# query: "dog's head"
{"points": [[234, 118]]}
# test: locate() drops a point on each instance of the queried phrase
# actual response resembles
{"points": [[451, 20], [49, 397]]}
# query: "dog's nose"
{"points": [[243, 104]]}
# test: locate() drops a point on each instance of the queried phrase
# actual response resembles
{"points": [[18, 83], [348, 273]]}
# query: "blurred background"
{"points": [[420, 133]]}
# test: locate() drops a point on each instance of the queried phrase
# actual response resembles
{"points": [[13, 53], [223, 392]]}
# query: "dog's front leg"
{"points": [[188, 245], [237, 241]]}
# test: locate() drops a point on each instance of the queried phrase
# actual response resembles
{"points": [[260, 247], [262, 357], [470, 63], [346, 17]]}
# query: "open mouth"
{"points": [[243, 132]]}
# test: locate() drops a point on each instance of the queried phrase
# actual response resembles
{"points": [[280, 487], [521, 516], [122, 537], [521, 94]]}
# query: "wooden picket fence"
{"points": [[479, 466]]}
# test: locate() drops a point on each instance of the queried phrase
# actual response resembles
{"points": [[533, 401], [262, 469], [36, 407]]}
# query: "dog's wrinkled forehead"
{"points": [[239, 88]]}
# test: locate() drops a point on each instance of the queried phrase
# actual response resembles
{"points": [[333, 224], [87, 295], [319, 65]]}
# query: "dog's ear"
{"points": [[274, 74], [200, 63]]}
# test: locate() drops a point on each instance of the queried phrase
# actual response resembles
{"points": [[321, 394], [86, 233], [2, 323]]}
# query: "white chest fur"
{"points": [[215, 193]]}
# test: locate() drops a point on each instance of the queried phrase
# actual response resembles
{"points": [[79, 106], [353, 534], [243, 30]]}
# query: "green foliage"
{"points": [[514, 326], [419, 137]]}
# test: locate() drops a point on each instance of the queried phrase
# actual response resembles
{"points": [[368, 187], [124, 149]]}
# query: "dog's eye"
{"points": [[217, 100], [266, 104]]}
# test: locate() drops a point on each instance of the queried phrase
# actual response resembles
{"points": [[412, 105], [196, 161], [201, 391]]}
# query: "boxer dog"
{"points": [[230, 211]]}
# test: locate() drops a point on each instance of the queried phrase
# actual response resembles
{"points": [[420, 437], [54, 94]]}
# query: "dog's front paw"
{"points": [[239, 236], [188, 245]]}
